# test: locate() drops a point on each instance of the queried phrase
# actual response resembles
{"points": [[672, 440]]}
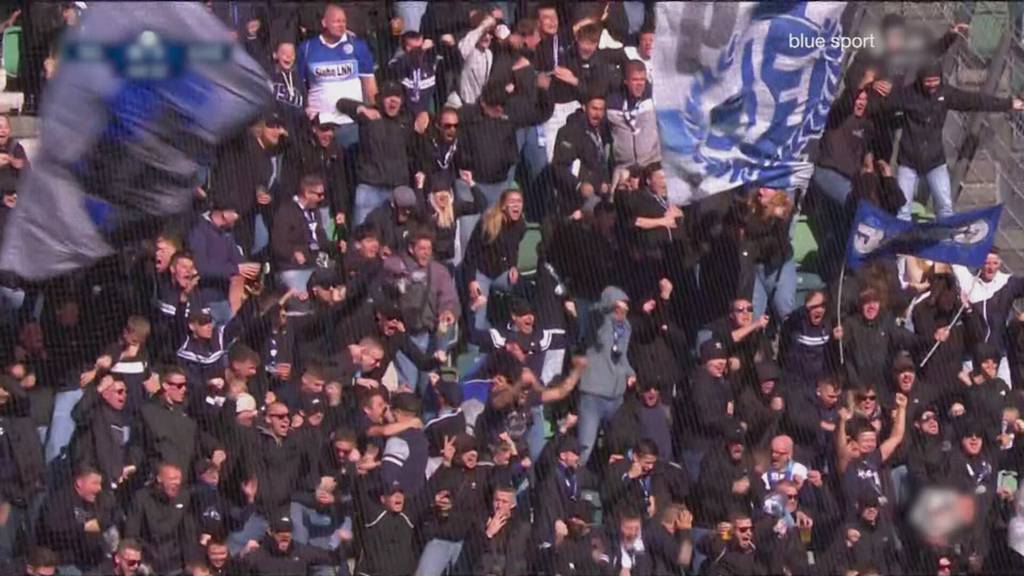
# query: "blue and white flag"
{"points": [[740, 90], [964, 238], [144, 93]]}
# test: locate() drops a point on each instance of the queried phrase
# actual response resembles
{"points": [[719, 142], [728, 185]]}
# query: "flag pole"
{"points": [[839, 310], [963, 306]]}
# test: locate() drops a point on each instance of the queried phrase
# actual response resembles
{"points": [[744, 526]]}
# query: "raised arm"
{"points": [[899, 422]]}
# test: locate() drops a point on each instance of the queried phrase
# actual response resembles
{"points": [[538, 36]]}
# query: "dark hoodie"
{"points": [[578, 140], [924, 115], [386, 145]]}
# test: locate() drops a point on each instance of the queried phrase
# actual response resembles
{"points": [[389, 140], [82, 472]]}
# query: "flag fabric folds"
{"points": [[964, 238], [740, 89], [118, 150]]}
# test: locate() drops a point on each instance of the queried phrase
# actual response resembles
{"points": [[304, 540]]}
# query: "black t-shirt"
{"points": [[644, 204]]}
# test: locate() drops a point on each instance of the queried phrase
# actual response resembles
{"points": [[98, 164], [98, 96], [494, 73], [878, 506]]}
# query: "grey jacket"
{"points": [[607, 359], [634, 129]]}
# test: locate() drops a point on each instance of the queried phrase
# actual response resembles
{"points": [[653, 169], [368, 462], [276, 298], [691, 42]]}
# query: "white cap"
{"points": [[245, 402]]}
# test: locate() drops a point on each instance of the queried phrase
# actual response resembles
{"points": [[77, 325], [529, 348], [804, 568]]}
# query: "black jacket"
{"points": [[164, 433], [25, 466], [62, 522], [297, 560], [101, 438], [847, 137], [870, 346], [165, 527], [667, 482], [470, 491], [714, 498], [924, 115], [390, 546], [328, 162], [493, 139], [577, 140], [710, 418], [493, 258], [386, 146], [291, 234], [276, 464]]}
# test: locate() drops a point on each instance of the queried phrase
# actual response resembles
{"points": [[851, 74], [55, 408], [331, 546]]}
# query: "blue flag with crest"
{"points": [[964, 238]]}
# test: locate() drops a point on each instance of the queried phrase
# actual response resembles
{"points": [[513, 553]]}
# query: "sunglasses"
{"points": [[928, 418], [448, 126], [278, 416], [176, 384], [870, 397], [744, 529], [816, 306], [743, 309]]}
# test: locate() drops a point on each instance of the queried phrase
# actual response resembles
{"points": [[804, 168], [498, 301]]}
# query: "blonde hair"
{"points": [[444, 215], [494, 216], [779, 206]]}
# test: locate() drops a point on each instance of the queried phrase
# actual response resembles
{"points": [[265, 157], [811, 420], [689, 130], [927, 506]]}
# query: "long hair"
{"points": [[444, 215], [780, 206], [494, 217]]}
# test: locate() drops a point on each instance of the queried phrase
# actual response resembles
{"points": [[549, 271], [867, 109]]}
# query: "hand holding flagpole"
{"points": [[964, 303]]}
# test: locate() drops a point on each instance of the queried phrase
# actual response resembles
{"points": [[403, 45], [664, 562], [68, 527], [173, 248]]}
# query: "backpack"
{"points": [[418, 312]]}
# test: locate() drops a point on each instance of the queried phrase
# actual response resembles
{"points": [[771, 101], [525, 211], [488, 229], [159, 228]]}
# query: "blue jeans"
{"points": [[261, 235], [11, 301], [314, 528], [439, 556], [830, 222], [408, 372], [531, 150], [296, 279], [486, 284], [535, 436], [347, 135], [634, 15], [938, 185], [781, 287], [367, 199], [255, 528], [594, 410], [411, 13], [62, 426]]}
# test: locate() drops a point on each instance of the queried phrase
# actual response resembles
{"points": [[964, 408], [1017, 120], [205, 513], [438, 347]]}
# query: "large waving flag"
{"points": [[964, 238], [740, 89], [143, 93]]}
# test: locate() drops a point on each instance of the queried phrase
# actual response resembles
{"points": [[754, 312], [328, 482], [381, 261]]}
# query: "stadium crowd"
{"points": [[434, 313]]}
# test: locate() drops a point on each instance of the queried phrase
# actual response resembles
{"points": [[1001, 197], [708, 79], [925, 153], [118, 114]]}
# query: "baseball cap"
{"points": [[395, 486], [391, 88], [245, 402], [271, 118], [388, 310], [324, 278], [312, 405], [569, 444], [322, 123], [281, 524], [985, 351], [450, 390], [903, 363], [200, 316], [581, 509], [712, 350], [441, 180], [404, 197], [867, 499], [767, 371], [735, 435]]}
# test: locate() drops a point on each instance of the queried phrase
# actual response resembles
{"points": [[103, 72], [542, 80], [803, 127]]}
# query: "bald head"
{"points": [[782, 451], [334, 23]]}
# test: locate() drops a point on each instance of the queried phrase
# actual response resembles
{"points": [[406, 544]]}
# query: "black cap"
{"points": [[903, 363], [200, 316], [521, 307], [388, 310], [972, 428], [712, 350], [767, 371], [395, 486], [325, 124], [406, 402], [312, 405], [569, 444], [465, 442], [281, 523], [271, 117], [867, 499], [985, 351], [450, 390], [391, 88], [735, 434], [324, 278]]}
